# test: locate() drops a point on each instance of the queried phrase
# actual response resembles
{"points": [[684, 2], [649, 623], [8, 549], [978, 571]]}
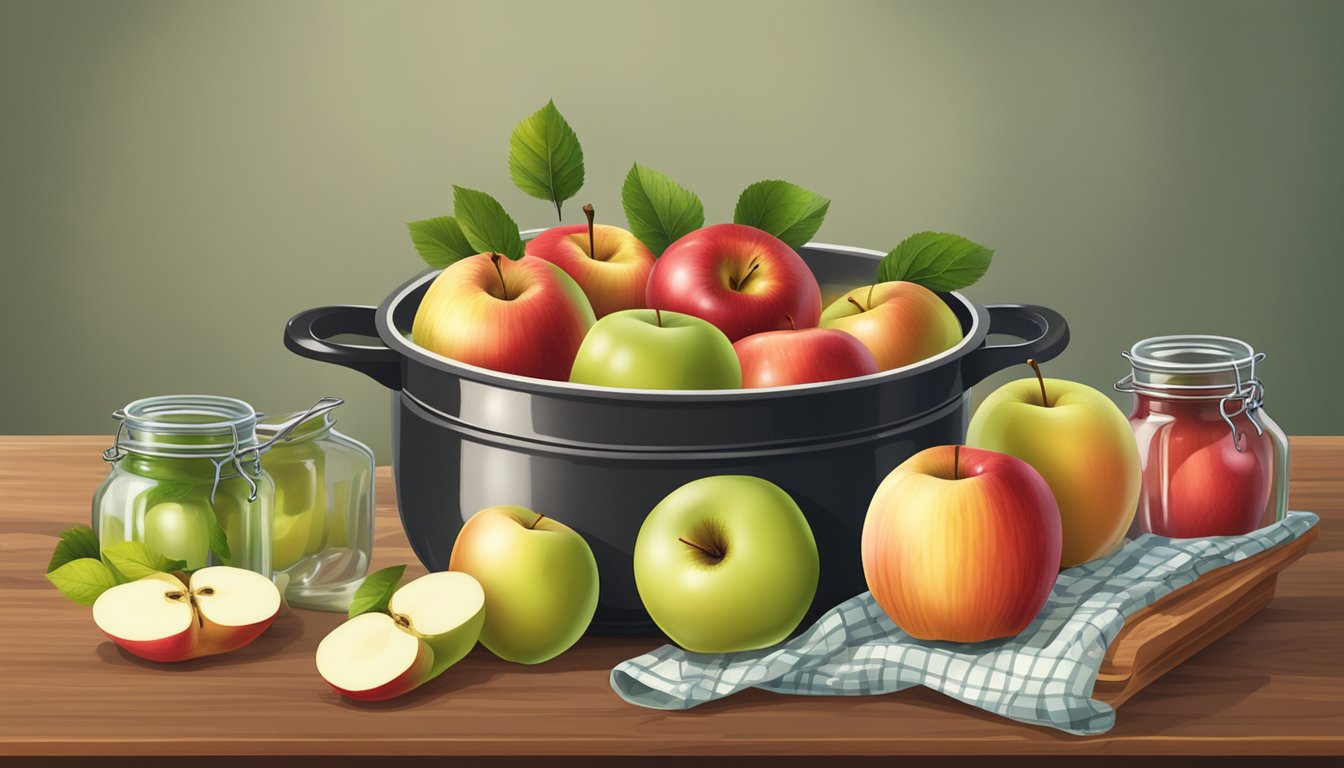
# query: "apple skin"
{"points": [[540, 581], [1084, 448], [614, 279], [1216, 491], [417, 674], [534, 332], [965, 560], [178, 647], [903, 323], [644, 349], [696, 275], [752, 597], [804, 356]]}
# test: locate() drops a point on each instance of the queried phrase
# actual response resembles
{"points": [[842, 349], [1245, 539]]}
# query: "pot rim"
{"points": [[408, 349]]}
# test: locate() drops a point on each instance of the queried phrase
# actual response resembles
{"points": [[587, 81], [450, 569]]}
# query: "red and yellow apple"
{"points": [[961, 544], [161, 618], [1081, 444], [525, 317], [740, 278], [782, 358], [610, 264], [901, 323]]}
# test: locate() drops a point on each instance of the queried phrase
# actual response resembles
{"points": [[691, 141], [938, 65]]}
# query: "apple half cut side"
{"points": [[151, 618], [434, 621], [234, 606]]}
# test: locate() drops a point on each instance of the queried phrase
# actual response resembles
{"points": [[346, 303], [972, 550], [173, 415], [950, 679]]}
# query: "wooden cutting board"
{"points": [[1171, 630]]}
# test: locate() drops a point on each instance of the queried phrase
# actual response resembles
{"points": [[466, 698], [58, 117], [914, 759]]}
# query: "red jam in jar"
{"points": [[1214, 463]]}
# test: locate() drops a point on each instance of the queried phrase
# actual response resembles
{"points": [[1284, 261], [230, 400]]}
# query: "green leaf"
{"points": [[938, 261], [135, 560], [785, 210], [440, 241], [376, 591], [545, 158], [83, 580], [485, 223], [75, 543], [219, 540], [169, 490], [659, 210]]}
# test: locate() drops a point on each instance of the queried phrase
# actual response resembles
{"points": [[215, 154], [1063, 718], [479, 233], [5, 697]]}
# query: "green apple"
{"points": [[539, 577], [653, 349], [431, 624], [726, 563], [1081, 444], [179, 531]]}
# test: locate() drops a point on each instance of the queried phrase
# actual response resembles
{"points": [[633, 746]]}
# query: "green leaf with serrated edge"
{"points": [[785, 210], [545, 158], [83, 580], [439, 241], [75, 543], [485, 223], [135, 560], [660, 211], [938, 261], [219, 540], [376, 590]]}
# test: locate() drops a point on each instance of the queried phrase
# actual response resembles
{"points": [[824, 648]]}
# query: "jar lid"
{"points": [[297, 425], [187, 425], [1190, 365]]}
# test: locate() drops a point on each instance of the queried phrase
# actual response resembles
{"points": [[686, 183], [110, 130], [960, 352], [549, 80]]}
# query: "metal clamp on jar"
{"points": [[1214, 462]]}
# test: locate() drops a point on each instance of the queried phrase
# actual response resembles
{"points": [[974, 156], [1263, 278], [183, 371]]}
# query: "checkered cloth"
{"points": [[1043, 676]]}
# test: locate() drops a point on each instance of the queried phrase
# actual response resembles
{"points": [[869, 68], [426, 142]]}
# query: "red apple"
{"points": [[1216, 491], [781, 358], [962, 544], [610, 264], [524, 317], [739, 278], [901, 323]]}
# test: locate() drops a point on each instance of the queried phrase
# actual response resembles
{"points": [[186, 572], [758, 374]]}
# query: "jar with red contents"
{"points": [[1214, 463]]}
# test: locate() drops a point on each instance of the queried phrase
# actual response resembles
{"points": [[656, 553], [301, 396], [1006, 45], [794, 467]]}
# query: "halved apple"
{"points": [[432, 623], [161, 618]]}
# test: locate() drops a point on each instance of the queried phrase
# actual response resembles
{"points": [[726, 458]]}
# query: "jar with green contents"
{"points": [[187, 481], [323, 514]]}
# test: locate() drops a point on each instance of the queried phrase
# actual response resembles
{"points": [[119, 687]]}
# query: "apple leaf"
{"points": [[785, 210], [485, 223], [938, 261], [75, 543], [439, 241], [659, 210], [219, 540], [545, 158], [83, 580], [376, 590], [134, 560]]}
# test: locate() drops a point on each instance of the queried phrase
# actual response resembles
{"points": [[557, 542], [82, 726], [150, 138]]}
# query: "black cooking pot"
{"points": [[598, 459]]}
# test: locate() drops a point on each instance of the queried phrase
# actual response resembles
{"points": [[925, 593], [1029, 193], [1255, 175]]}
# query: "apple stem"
{"points": [[717, 555], [503, 286], [1040, 379], [535, 522], [658, 317], [592, 243], [856, 303], [869, 300], [754, 266], [792, 326], [956, 462]]}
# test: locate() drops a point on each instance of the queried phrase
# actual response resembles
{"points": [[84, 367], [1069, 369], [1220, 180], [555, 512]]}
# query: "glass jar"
{"points": [[1214, 462], [180, 464], [323, 515]]}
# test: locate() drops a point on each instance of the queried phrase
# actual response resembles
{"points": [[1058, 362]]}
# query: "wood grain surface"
{"points": [[1274, 686]]}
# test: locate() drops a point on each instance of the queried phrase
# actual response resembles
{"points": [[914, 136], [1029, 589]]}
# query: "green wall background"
{"points": [[180, 178]]}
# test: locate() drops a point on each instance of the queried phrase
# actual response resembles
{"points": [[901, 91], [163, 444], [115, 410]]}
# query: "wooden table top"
{"points": [[1275, 686]]}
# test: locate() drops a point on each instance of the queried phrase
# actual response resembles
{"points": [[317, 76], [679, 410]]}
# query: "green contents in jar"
{"points": [[300, 511], [179, 531]]}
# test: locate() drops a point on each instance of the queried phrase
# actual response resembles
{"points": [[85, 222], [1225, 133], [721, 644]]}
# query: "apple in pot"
{"points": [[431, 624], [610, 264], [540, 581], [900, 322], [740, 278], [525, 317], [961, 544], [802, 356], [653, 349], [726, 563], [161, 618], [1081, 444]]}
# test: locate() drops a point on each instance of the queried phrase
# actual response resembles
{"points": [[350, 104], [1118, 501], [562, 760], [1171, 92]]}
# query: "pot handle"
{"points": [[308, 334], [1046, 331]]}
